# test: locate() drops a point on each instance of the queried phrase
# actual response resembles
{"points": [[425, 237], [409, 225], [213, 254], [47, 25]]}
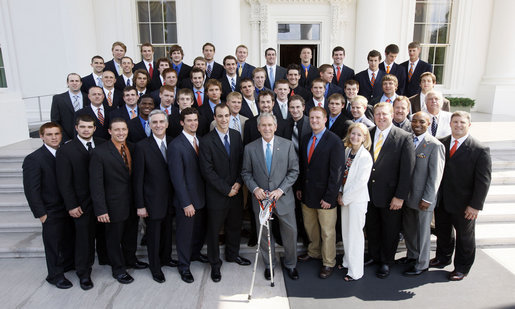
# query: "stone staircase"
{"points": [[20, 232]]}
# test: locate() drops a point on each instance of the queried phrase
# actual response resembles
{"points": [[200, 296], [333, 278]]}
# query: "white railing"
{"points": [[37, 109]]}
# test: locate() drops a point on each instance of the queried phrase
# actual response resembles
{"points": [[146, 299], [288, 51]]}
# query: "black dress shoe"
{"points": [[124, 278], [292, 273], [383, 271], [171, 263], [304, 258], [456, 276], [436, 263], [138, 265], [61, 283], [412, 271], [216, 275], [159, 277], [405, 261], [325, 272], [86, 283], [267, 274], [239, 260], [186, 276], [202, 258]]}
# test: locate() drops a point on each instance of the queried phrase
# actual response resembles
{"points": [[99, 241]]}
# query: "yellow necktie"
{"points": [[240, 69], [378, 146]]}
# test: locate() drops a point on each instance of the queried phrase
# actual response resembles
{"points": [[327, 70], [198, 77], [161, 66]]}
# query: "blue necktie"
{"points": [[415, 140], [331, 122], [226, 144], [271, 77], [434, 126], [233, 84], [268, 158], [147, 129]]}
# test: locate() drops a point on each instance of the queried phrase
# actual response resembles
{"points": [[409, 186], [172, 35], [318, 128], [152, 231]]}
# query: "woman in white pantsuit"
{"points": [[353, 198]]}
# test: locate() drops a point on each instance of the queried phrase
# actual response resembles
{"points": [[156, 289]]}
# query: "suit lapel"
{"points": [[218, 143], [69, 103], [386, 143], [117, 155], [155, 147], [78, 144], [319, 145]]}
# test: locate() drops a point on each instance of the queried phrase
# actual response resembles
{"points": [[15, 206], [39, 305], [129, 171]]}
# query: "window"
{"points": [[298, 32], [432, 23], [157, 22], [3, 80]]}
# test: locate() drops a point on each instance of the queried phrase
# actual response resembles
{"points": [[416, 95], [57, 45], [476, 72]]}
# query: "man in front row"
{"points": [[110, 171], [465, 183], [220, 161], [45, 202], [153, 194], [270, 167]]}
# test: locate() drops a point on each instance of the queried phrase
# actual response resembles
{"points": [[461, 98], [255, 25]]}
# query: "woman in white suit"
{"points": [[353, 198]]}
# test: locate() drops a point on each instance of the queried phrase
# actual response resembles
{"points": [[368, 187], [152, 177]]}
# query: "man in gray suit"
{"points": [[270, 164], [416, 217]]}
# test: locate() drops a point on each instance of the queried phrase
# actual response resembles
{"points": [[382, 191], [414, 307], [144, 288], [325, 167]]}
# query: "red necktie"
{"points": [[410, 72], [338, 73], [150, 70], [292, 93], [373, 80], [199, 99], [195, 144], [167, 112], [453, 149], [312, 148]]}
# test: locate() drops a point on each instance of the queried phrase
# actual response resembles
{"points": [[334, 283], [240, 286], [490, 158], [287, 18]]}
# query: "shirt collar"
{"points": [[84, 142], [52, 150]]}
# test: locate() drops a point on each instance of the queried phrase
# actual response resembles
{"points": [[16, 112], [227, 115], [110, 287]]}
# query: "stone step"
{"points": [[502, 164], [501, 194], [503, 177], [13, 202], [19, 221], [497, 212]]}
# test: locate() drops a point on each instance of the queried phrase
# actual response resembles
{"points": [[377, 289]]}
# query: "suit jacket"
{"points": [[117, 99], [110, 66], [121, 112], [393, 170], [136, 130], [141, 66], [174, 123], [155, 82], [62, 112], [322, 176], [217, 72], [40, 184], [303, 92], [340, 126], [346, 74], [220, 169], [333, 89], [243, 119], [366, 89], [367, 122], [312, 74], [251, 133], [151, 182], [311, 103], [101, 130], [184, 170], [406, 126], [277, 111], [429, 165], [416, 106], [72, 162], [466, 177], [184, 73], [110, 182], [247, 70], [280, 73], [283, 172], [245, 108], [302, 126], [444, 124], [88, 81], [355, 189], [226, 86], [399, 72], [413, 84], [120, 83]]}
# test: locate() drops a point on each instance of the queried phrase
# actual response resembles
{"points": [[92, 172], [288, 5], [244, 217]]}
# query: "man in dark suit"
{"points": [[390, 67], [370, 79], [182, 69], [184, 100], [167, 97], [389, 185], [249, 106], [293, 73], [65, 105], [230, 80], [273, 71], [326, 73], [213, 69], [129, 110], [114, 65], [338, 123], [400, 113], [465, 183], [169, 77], [342, 73], [220, 160], [308, 71], [259, 79], [359, 108], [214, 93], [153, 194], [350, 91], [125, 79], [157, 80], [189, 198], [113, 98], [418, 101], [281, 99], [139, 127], [321, 173], [318, 88], [98, 111], [414, 67], [147, 62], [197, 79], [389, 85], [141, 82], [72, 168], [95, 78], [45, 202], [244, 69], [110, 183]]}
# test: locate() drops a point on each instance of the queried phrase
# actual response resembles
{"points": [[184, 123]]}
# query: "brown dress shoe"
{"points": [[325, 272], [436, 263], [456, 276]]}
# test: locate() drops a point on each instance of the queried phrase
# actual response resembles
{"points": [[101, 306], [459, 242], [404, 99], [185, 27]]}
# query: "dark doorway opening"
{"points": [[290, 53]]}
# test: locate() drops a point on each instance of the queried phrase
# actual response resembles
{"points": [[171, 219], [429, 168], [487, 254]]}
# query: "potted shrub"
{"points": [[461, 104]]}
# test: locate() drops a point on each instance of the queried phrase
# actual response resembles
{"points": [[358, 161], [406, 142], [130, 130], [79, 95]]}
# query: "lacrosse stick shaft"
{"points": [[255, 262], [270, 254]]}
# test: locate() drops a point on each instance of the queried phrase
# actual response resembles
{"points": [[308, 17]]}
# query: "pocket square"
{"points": [[421, 155]]}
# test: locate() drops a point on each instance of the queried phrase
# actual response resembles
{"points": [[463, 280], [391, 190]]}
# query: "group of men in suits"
{"points": [[162, 139]]}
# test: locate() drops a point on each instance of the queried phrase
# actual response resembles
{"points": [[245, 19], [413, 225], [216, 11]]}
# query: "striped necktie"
{"points": [[378, 146]]}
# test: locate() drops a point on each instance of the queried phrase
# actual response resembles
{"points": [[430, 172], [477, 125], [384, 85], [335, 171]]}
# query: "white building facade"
{"points": [[41, 41]]}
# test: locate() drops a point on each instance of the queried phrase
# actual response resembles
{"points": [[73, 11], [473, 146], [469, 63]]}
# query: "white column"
{"points": [[370, 21], [225, 27], [497, 88]]}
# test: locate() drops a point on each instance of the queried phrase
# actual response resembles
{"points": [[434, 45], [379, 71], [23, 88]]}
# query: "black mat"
{"points": [[489, 285]]}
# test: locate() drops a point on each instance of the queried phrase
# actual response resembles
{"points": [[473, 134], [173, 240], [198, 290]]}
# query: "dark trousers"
{"points": [[84, 243], [130, 237], [190, 234], [159, 242], [58, 240], [114, 234], [230, 218], [100, 242], [465, 239], [383, 226]]}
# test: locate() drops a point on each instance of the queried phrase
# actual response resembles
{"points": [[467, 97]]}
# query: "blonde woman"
{"points": [[353, 198]]}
